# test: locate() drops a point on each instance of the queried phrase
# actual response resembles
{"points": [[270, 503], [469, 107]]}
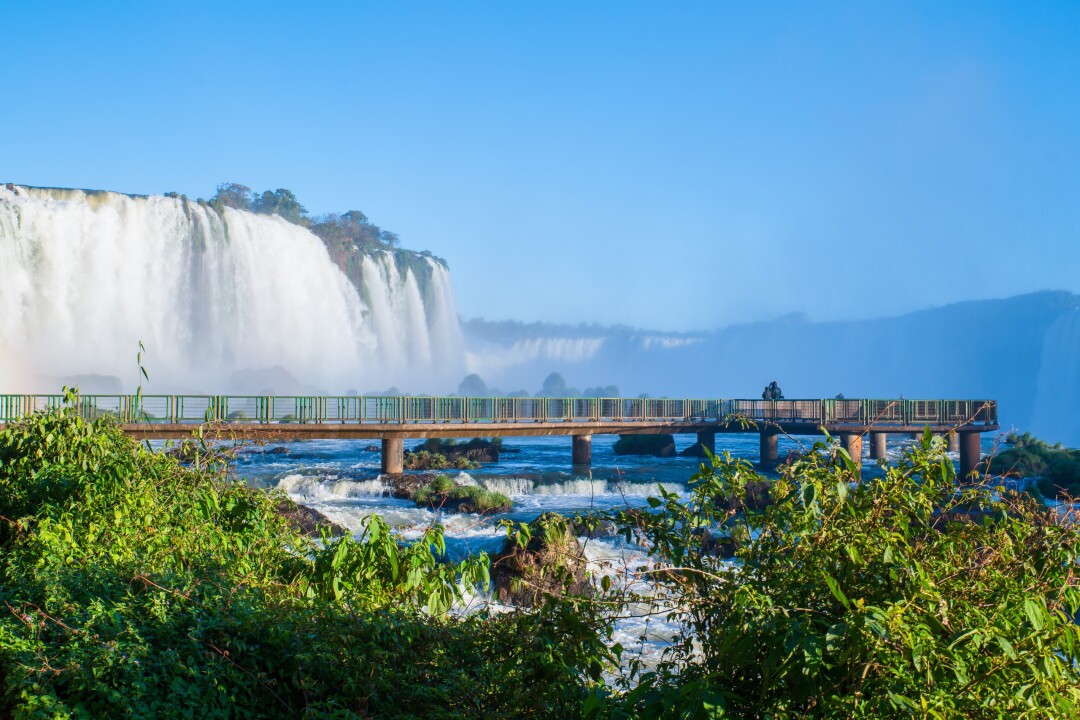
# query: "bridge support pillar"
{"points": [[393, 455], [707, 439], [582, 449], [769, 446], [852, 442], [969, 452], [952, 440], [877, 445]]}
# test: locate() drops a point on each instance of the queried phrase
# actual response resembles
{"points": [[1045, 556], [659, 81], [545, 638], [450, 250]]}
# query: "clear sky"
{"points": [[668, 165]]}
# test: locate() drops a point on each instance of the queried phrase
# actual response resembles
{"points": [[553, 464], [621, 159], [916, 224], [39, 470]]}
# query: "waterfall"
{"points": [[1057, 398], [223, 300]]}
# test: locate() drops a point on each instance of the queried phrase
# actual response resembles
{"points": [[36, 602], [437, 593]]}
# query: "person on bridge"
{"points": [[772, 392]]}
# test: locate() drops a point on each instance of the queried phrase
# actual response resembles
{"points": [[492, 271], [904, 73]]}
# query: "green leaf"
{"points": [[1035, 614], [834, 586]]}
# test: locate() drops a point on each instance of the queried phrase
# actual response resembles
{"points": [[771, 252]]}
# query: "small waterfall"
{"points": [[217, 297], [1057, 398], [575, 487]]}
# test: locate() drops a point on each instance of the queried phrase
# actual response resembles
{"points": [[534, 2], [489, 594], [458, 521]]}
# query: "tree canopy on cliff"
{"points": [[351, 227]]}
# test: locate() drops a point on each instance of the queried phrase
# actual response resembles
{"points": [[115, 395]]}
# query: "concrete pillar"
{"points": [[969, 452], [952, 439], [707, 439], [877, 445], [582, 449], [769, 448], [393, 455], [852, 442]]}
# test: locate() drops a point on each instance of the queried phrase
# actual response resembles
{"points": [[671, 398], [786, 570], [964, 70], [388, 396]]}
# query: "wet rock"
{"points": [[552, 563], [405, 487], [721, 546], [758, 497], [308, 521], [657, 445], [280, 450], [476, 450], [695, 450]]}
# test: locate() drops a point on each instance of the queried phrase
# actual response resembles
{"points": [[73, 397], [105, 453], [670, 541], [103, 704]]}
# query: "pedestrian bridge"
{"points": [[393, 419]]}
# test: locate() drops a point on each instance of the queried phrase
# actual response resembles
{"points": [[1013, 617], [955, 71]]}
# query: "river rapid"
{"points": [[340, 478]]}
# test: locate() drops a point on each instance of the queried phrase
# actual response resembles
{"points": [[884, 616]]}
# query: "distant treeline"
{"points": [[554, 386]]}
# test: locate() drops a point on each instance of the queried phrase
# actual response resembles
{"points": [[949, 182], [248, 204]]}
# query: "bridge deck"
{"points": [[373, 417], [377, 431]]}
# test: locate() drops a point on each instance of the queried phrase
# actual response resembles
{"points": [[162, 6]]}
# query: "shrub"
{"points": [[133, 586], [442, 491], [906, 596], [1057, 468]]}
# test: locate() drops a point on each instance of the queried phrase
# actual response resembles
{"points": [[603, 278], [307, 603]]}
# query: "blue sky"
{"points": [[665, 165]]}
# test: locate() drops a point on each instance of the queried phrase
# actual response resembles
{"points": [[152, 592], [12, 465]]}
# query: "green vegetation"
{"points": [[1057, 468], [444, 492], [426, 460], [907, 596], [339, 231], [478, 449], [133, 586]]}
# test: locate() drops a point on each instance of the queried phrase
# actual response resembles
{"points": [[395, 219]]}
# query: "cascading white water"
{"points": [[213, 295], [1058, 388]]}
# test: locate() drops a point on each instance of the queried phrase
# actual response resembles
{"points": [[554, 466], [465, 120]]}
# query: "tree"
{"points": [[390, 239], [233, 195], [354, 217], [473, 386], [554, 386], [280, 202]]}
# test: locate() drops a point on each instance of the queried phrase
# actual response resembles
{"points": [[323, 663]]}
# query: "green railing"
{"points": [[410, 409]]}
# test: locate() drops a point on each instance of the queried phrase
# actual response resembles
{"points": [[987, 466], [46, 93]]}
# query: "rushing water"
{"points": [[340, 478], [216, 296]]}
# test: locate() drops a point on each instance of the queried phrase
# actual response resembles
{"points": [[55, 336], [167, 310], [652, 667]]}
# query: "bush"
{"points": [[906, 596], [133, 586], [425, 460], [444, 492], [1057, 468]]}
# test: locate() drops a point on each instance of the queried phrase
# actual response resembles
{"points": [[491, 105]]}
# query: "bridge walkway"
{"points": [[393, 419]]}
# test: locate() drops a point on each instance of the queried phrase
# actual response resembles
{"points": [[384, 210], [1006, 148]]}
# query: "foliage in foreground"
{"points": [[908, 596], [133, 586]]}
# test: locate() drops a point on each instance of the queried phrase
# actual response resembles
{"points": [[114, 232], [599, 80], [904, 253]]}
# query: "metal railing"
{"points": [[383, 410]]}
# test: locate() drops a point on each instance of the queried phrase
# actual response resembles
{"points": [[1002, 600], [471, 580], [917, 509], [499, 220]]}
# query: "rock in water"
{"points": [[659, 445], [308, 521], [476, 450], [695, 450], [551, 563]]}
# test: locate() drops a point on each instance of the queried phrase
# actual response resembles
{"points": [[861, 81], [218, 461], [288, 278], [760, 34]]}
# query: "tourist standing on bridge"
{"points": [[772, 392]]}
